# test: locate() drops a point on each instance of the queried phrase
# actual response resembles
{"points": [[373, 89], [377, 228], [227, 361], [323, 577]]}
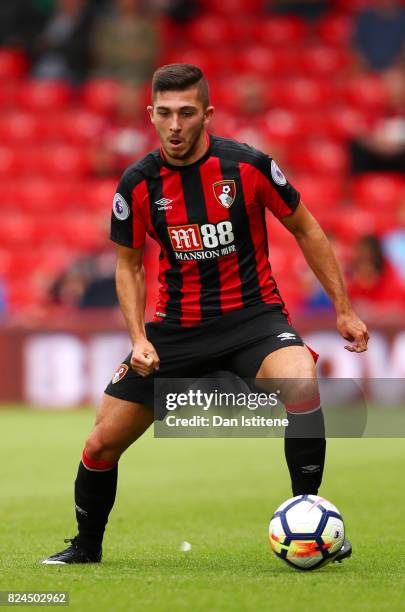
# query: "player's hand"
{"points": [[144, 358], [352, 328]]}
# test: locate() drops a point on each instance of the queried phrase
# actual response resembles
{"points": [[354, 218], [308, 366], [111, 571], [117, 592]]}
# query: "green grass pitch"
{"points": [[216, 494]]}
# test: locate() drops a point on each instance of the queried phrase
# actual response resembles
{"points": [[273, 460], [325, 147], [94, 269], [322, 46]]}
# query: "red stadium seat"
{"points": [[262, 60], [352, 5], [224, 124], [336, 29], [355, 223], [320, 192], [12, 161], [63, 161], [100, 95], [233, 7], [344, 122], [320, 157], [9, 194], [16, 230], [367, 93], [211, 62], [300, 92], [44, 95], [79, 126], [379, 191], [97, 194], [17, 127], [284, 126], [8, 95], [25, 296], [323, 60], [46, 197], [283, 30], [83, 232], [210, 31], [13, 64]]}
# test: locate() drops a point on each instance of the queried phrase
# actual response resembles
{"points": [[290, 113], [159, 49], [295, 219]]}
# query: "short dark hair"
{"points": [[178, 77]]}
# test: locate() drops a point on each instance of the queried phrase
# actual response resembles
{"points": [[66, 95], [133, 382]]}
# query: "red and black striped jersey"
{"points": [[208, 218]]}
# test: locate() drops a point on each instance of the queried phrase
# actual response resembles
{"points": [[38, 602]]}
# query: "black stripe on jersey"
{"points": [[250, 287], [210, 300], [224, 147], [173, 276]]}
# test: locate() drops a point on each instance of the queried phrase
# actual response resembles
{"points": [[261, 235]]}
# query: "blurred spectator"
{"points": [[394, 244], [373, 283], [179, 10], [3, 302], [88, 283], [380, 35], [62, 46], [382, 149], [20, 22], [126, 136], [314, 297], [307, 9], [125, 43]]}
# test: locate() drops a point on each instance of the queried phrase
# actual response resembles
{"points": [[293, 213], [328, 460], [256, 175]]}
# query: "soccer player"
{"points": [[203, 199]]}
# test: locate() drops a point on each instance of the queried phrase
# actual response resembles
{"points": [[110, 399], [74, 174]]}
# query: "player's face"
{"points": [[180, 120]]}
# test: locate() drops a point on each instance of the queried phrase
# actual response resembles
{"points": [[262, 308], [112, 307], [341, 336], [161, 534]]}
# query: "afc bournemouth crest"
{"points": [[120, 373], [225, 192]]}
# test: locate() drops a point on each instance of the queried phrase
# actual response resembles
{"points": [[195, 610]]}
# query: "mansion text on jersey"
{"points": [[199, 255]]}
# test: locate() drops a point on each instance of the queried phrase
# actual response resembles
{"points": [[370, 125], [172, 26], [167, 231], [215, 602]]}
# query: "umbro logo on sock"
{"points": [[81, 511], [310, 469], [286, 336]]}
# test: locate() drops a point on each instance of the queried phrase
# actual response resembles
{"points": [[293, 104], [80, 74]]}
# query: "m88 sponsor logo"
{"points": [[193, 237]]}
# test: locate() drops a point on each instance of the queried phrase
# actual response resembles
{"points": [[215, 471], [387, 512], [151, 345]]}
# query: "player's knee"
{"points": [[301, 395], [98, 448]]}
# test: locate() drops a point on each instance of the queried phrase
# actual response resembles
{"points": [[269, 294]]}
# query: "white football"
{"points": [[306, 531]]}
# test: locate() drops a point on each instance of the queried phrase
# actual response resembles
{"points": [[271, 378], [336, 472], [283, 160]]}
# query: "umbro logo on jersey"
{"points": [[286, 336], [164, 204]]}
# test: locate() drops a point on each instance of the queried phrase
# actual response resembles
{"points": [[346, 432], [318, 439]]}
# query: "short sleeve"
{"points": [[127, 223], [274, 191]]}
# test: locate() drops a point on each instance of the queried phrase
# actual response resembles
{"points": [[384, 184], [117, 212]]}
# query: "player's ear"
{"points": [[150, 111], [209, 111]]}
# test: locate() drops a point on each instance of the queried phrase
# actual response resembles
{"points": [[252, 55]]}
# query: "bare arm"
{"points": [[131, 291], [321, 259]]}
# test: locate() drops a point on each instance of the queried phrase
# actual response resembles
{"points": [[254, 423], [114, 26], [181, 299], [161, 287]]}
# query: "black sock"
{"points": [[305, 448], [94, 497]]}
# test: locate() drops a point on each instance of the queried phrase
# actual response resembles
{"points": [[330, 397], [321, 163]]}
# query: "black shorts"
{"points": [[236, 342]]}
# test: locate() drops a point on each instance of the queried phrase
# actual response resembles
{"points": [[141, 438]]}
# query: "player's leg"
{"points": [[118, 424], [292, 370]]}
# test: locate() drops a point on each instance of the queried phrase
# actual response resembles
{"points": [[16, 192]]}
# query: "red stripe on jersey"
{"points": [[142, 195], [228, 265], [258, 232], [177, 215]]}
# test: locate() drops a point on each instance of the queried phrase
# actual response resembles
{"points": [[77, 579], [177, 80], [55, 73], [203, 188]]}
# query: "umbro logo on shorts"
{"points": [[286, 336]]}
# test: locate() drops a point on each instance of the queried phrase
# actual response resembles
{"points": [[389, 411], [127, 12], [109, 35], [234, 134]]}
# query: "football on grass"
{"points": [[306, 532]]}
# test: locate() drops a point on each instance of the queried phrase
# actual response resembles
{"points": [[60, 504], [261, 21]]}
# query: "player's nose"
{"points": [[175, 124]]}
